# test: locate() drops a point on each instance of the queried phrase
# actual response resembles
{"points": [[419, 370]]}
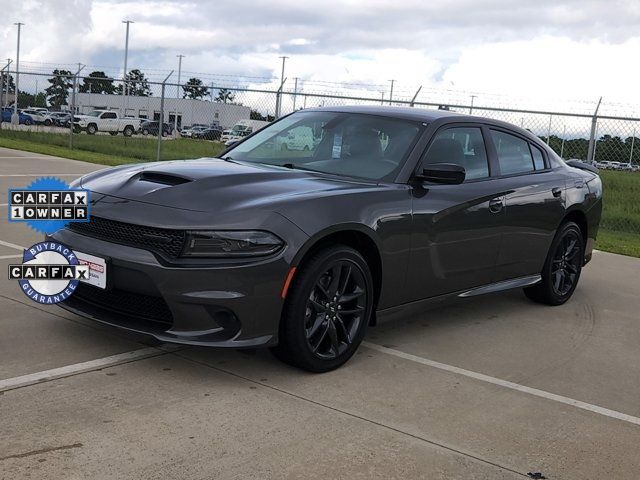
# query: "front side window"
{"points": [[514, 155], [462, 146], [355, 145]]}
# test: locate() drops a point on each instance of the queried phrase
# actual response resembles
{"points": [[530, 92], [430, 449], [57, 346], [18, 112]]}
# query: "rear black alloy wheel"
{"points": [[562, 268], [327, 310]]}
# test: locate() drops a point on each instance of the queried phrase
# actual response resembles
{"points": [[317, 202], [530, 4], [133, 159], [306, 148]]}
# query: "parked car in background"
{"points": [[23, 118], [61, 119], [150, 127], [210, 133], [105, 121], [300, 139], [189, 131], [39, 117], [615, 165], [303, 252], [243, 129]]}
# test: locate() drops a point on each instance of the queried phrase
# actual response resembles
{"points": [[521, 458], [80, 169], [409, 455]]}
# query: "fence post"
{"points": [[161, 119], [73, 105], [549, 129], [2, 86], [592, 136], [2, 95], [633, 141], [279, 99], [413, 100]]}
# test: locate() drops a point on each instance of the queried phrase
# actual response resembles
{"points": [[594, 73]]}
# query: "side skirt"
{"points": [[421, 305]]}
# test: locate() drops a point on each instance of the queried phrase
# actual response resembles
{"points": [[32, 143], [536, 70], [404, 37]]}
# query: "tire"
{"points": [[47, 123], [145, 132], [562, 267], [318, 331], [92, 129], [128, 131], [28, 122]]}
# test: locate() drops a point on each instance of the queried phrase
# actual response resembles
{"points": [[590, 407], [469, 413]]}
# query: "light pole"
{"points": [[175, 113], [471, 107], [391, 92], [125, 86], [15, 119]]}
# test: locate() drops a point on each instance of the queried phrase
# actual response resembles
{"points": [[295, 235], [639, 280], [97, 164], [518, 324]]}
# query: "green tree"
{"points": [[8, 79], [194, 89], [26, 99], [137, 84], [58, 90], [225, 96], [256, 115], [98, 82]]}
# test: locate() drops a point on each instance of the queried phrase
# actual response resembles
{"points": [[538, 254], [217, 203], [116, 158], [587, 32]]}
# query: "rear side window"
{"points": [[514, 155], [462, 146], [538, 159], [109, 115]]}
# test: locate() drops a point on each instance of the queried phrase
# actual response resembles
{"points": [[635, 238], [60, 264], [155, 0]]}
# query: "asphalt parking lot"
{"points": [[488, 388]]}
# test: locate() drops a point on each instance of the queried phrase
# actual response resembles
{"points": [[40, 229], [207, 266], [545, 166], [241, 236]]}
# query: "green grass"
{"points": [[105, 149], [619, 229], [620, 225], [619, 242]]}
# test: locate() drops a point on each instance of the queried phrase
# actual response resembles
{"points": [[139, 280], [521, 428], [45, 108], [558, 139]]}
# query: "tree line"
{"points": [[137, 85]]}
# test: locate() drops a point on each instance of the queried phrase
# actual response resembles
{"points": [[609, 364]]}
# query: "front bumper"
{"points": [[231, 305]]}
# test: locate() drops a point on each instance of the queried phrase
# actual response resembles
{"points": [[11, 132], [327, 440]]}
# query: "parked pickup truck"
{"points": [[105, 121]]}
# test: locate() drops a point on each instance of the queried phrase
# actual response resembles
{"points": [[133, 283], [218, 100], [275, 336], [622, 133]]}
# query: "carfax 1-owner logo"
{"points": [[49, 272], [48, 204]]}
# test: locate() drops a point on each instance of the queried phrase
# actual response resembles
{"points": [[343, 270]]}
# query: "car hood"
{"points": [[215, 185]]}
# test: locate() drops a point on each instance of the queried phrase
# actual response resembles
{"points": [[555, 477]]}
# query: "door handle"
{"points": [[556, 192], [496, 204]]}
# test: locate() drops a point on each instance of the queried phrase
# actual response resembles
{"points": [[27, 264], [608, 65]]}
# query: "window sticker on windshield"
{"points": [[337, 145]]}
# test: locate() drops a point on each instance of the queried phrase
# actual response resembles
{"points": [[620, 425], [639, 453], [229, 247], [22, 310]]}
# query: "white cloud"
{"points": [[544, 50]]}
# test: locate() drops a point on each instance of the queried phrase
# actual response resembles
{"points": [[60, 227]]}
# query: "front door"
{"points": [[456, 228]]}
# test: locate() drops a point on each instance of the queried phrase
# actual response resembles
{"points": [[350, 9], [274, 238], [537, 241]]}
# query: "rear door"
{"points": [[456, 228], [534, 201]]}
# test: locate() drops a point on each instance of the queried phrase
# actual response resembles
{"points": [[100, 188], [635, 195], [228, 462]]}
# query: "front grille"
{"points": [[166, 242], [141, 307]]}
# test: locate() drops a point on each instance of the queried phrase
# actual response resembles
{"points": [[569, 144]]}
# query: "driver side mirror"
{"points": [[446, 173]]}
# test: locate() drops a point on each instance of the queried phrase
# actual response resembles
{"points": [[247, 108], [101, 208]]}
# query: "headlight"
{"points": [[231, 244]]}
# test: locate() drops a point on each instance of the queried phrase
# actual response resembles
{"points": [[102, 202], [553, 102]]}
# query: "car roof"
{"points": [[408, 113], [423, 115]]}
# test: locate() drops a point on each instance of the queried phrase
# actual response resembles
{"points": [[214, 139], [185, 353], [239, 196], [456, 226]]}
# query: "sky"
{"points": [[547, 53]]}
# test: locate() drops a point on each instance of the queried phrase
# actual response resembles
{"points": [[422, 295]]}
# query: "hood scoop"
{"points": [[162, 178]]}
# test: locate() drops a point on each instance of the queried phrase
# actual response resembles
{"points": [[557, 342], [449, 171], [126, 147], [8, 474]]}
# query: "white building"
{"points": [[189, 111]]}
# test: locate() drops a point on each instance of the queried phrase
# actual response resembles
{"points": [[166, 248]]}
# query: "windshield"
{"points": [[354, 145]]}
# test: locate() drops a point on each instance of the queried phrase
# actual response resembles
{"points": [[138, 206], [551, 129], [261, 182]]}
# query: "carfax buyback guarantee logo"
{"points": [[50, 271]]}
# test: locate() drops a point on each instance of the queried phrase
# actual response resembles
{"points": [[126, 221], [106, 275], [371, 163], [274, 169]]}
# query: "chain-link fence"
{"points": [[141, 120]]}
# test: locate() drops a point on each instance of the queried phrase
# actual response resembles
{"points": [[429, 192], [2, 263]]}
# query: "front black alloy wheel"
{"points": [[327, 310], [562, 268]]}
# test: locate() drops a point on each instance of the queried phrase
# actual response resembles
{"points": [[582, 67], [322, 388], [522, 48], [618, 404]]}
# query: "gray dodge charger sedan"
{"points": [[312, 229]]}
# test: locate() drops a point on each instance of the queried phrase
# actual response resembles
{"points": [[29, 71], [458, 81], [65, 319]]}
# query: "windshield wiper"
{"points": [[291, 166]]}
